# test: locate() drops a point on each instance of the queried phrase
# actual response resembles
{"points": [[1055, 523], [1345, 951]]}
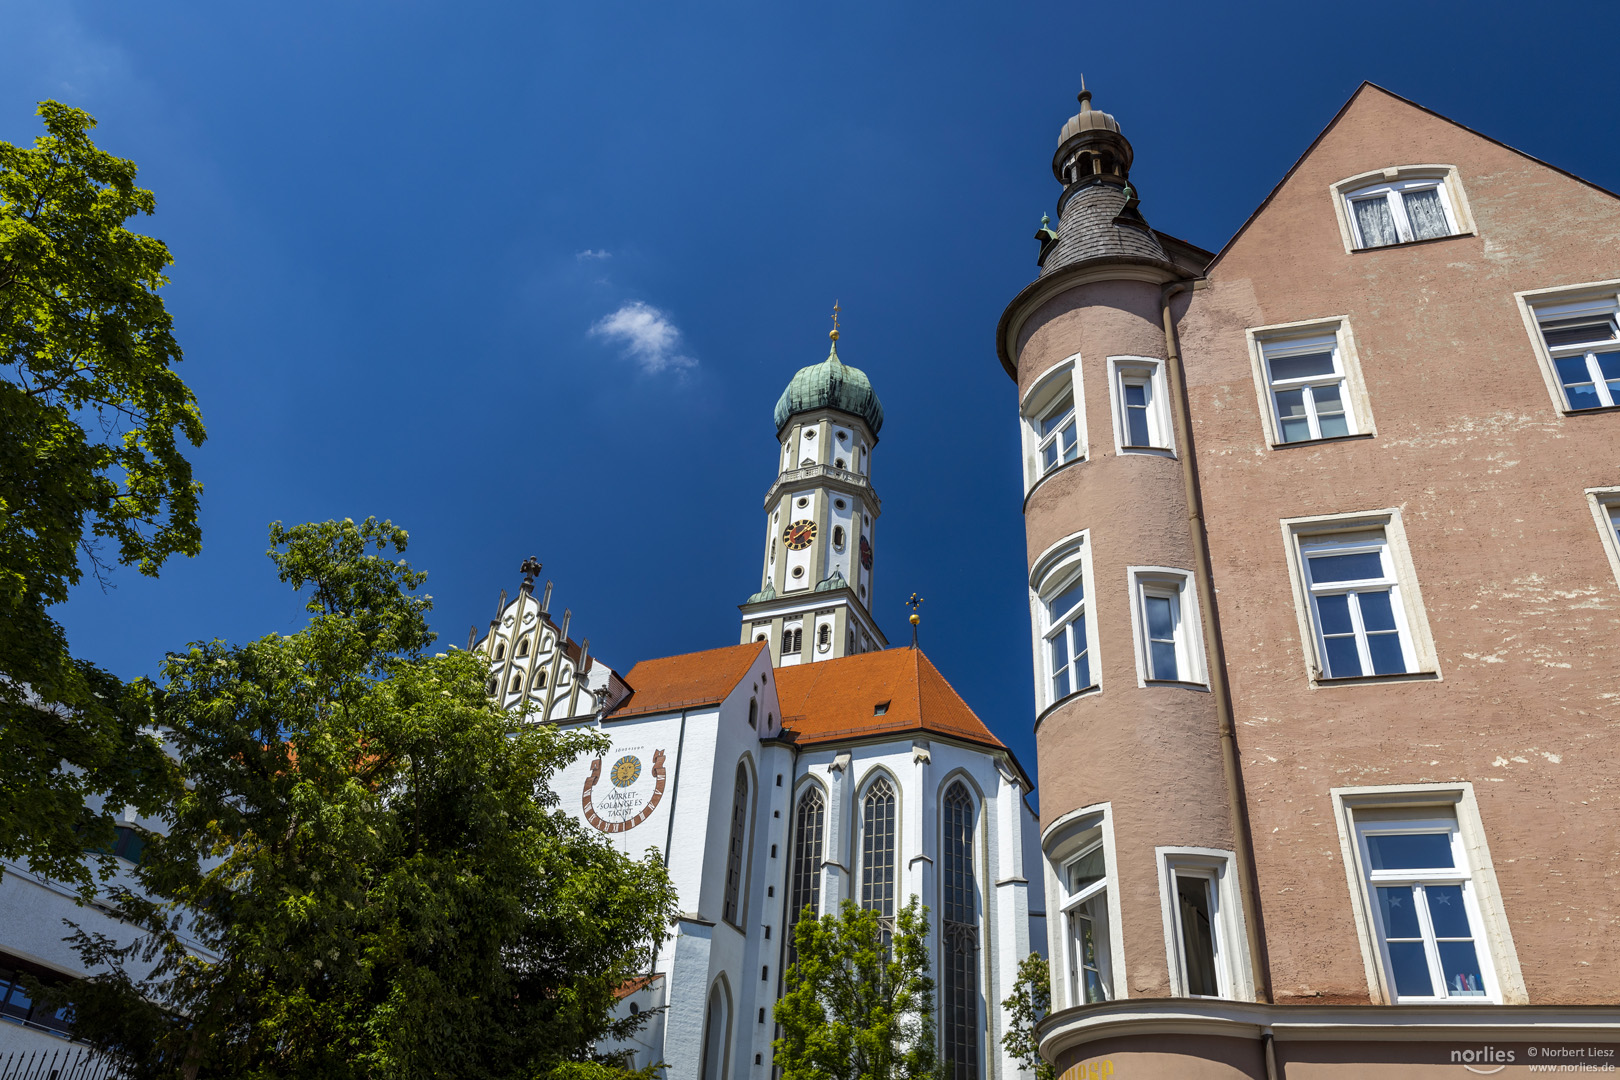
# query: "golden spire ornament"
{"points": [[834, 334]]}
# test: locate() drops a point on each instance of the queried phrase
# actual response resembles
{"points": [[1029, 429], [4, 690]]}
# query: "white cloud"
{"points": [[647, 335], [593, 254]]}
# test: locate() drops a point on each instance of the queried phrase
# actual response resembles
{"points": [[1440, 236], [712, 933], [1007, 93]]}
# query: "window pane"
{"points": [[1060, 684], [1086, 870], [1049, 455], [1376, 223], [1301, 367], [1136, 394], [1577, 382], [1060, 651], [1071, 446], [1342, 659], [1136, 423], [1291, 421], [1399, 909], [1164, 661], [1197, 935], [1446, 911], [1410, 851], [1426, 214], [1057, 415], [1459, 966], [1376, 612], [1094, 987], [1609, 366], [1411, 969], [1160, 617], [1334, 611], [1385, 652], [1067, 600], [1082, 659], [1362, 566], [1330, 417]]}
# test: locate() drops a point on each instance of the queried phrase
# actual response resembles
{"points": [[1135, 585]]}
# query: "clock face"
{"points": [[866, 553], [799, 535]]}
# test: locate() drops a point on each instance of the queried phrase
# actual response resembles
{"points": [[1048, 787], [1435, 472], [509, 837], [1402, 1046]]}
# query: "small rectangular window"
{"points": [[1305, 379], [1400, 212], [1424, 908], [1086, 909], [1169, 645], [1203, 925], [1141, 404], [1583, 343], [1196, 932]]}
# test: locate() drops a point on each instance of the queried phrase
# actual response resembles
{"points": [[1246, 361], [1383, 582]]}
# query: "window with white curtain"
{"points": [[1400, 211]]}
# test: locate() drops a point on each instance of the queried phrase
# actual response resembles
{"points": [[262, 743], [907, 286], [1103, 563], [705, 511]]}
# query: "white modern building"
{"points": [[803, 767]]}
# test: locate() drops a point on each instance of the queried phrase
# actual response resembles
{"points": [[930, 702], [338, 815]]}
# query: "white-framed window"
{"points": [[1141, 402], [1361, 612], [1428, 907], [1582, 340], [1309, 381], [1165, 617], [1088, 962], [1088, 948], [1054, 427], [1205, 942], [1605, 504], [1400, 211], [1058, 591]]}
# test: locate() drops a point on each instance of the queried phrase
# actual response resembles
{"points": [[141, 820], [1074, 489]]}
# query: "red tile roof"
{"points": [[833, 700], [689, 681]]}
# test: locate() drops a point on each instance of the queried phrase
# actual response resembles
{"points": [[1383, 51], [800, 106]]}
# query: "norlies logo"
{"points": [[1485, 1060]]}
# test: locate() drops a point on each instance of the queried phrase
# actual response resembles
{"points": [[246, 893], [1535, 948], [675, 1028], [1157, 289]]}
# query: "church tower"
{"points": [[820, 519]]}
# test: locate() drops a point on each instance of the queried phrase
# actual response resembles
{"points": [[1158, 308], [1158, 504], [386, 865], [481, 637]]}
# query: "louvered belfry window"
{"points": [[959, 927], [877, 854], [808, 832], [734, 852]]}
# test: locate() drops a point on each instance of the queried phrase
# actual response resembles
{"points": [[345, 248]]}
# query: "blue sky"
{"points": [[396, 225]]}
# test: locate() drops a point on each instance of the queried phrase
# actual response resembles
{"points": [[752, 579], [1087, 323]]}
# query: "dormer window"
{"points": [[880, 708], [1401, 206]]}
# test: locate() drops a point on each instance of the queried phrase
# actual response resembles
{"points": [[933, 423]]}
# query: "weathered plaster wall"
{"points": [[1523, 605]]}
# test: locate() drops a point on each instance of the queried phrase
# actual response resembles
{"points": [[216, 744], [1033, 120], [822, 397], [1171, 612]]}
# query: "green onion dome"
{"points": [[831, 384]]}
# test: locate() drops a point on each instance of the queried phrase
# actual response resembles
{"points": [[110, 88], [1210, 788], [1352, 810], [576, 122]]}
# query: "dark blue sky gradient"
{"points": [[376, 211]]}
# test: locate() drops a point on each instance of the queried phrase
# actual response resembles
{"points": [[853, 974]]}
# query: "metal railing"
{"points": [[65, 1063]]}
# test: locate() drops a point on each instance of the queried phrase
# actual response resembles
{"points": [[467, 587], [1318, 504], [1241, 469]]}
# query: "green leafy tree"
{"points": [[857, 1006], [370, 856], [92, 420], [1026, 1007]]}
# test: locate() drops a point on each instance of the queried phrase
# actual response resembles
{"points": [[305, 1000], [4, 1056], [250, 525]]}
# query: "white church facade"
{"points": [[805, 766]]}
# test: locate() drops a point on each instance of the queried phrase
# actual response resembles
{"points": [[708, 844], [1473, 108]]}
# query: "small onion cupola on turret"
{"points": [[1097, 212], [815, 589]]}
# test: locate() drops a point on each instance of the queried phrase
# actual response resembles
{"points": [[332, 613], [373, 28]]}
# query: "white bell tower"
{"points": [[820, 519]]}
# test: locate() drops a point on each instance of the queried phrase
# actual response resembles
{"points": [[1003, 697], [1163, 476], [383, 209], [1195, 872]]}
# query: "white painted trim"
{"points": [[1459, 799], [1600, 499], [1046, 387], [1357, 399], [1137, 580], [1529, 299], [1231, 943], [1055, 555], [1296, 530], [1160, 405]]}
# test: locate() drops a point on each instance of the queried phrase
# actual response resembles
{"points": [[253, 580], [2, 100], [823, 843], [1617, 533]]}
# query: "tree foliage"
{"points": [[1026, 1007], [93, 416], [370, 857], [857, 1007]]}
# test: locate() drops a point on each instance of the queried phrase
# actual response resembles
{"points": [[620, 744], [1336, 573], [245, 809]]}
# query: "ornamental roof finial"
{"points": [[1085, 95], [834, 334]]}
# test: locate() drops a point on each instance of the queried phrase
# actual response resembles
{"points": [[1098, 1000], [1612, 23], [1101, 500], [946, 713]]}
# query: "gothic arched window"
{"points": [[494, 686], [523, 647], [517, 684], [792, 640], [731, 911], [877, 853], [500, 650], [540, 679], [805, 885], [959, 929]]}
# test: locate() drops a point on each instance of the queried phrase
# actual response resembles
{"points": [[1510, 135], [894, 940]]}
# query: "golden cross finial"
{"points": [[834, 334]]}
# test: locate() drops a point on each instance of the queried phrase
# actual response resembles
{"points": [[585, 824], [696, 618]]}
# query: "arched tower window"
{"points": [[731, 911], [959, 929], [838, 537], [877, 854], [824, 635], [753, 712], [494, 686], [523, 647], [500, 650], [808, 831], [792, 641], [716, 1034], [540, 679], [517, 684]]}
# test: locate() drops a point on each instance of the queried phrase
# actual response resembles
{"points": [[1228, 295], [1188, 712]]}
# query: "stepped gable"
{"points": [[833, 700], [688, 681]]}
